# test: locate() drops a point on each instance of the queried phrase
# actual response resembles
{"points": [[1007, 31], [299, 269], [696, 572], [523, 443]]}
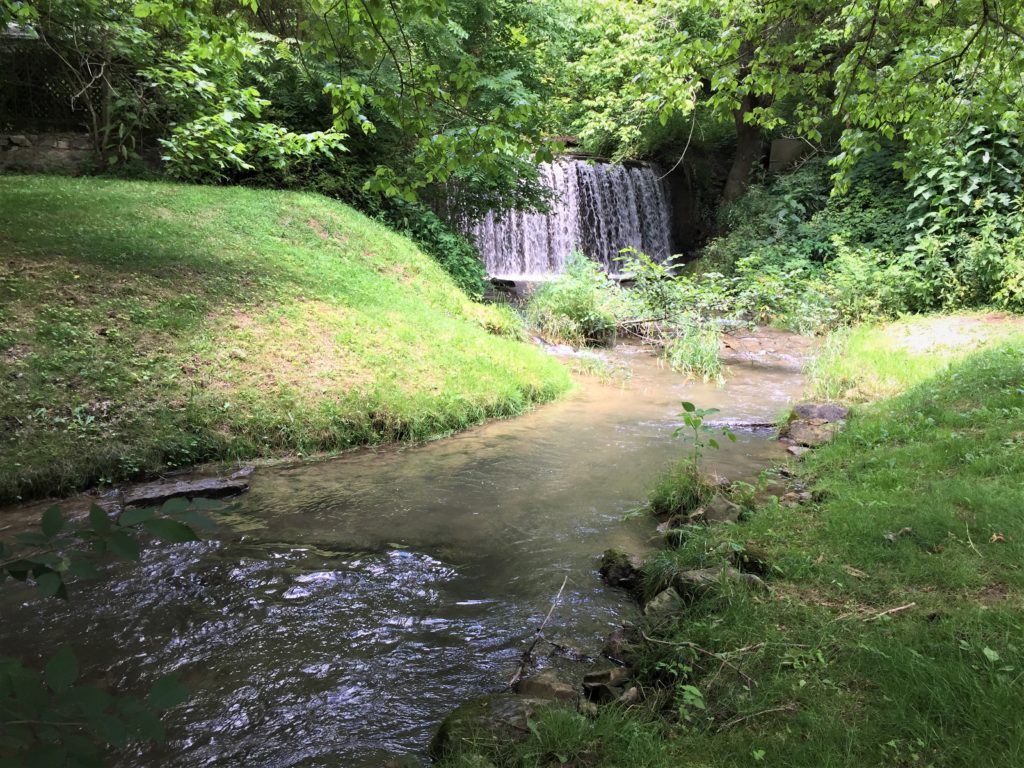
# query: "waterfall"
{"points": [[598, 209]]}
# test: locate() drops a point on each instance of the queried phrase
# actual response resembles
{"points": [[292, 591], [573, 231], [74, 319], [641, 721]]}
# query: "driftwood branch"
{"points": [[527, 656]]}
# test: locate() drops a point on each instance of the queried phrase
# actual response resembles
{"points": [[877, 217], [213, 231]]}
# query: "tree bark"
{"points": [[748, 150]]}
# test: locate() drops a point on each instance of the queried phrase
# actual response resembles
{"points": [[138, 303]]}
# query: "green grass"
{"points": [[817, 674], [679, 490], [148, 326], [870, 362]]}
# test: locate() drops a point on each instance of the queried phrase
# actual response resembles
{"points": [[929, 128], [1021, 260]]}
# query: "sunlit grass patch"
{"points": [[870, 362]]}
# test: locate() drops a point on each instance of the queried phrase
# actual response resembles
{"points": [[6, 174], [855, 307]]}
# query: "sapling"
{"points": [[693, 420]]}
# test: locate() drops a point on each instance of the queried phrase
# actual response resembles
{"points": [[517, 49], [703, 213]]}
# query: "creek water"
{"points": [[344, 607]]}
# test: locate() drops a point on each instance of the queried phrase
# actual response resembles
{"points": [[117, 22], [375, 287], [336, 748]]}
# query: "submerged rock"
{"points": [[546, 685], [484, 722], [155, 494]]}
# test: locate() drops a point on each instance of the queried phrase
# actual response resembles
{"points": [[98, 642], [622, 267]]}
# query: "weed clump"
{"points": [[578, 308], [680, 490]]}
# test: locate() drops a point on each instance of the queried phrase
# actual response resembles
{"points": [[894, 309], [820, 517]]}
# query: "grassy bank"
{"points": [[150, 326], [892, 634]]}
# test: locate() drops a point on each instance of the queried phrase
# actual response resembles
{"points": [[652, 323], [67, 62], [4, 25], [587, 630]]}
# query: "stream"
{"points": [[344, 607]]}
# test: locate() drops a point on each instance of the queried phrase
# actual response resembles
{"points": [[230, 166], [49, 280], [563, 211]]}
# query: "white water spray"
{"points": [[599, 209]]}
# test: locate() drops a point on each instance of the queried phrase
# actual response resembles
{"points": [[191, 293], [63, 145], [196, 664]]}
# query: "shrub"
{"points": [[582, 306], [456, 255]]}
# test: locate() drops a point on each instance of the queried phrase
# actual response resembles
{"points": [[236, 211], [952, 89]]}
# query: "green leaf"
{"points": [[689, 407], [83, 569], [175, 505], [132, 517], [991, 655], [197, 520], [124, 546], [170, 530], [31, 538], [167, 692], [62, 670], [49, 583], [98, 518], [53, 522]]}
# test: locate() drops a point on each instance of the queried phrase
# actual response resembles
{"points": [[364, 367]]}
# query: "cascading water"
{"points": [[598, 209]]}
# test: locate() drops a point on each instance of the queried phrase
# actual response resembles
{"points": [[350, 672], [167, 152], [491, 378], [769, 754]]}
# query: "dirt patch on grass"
{"points": [[319, 229], [301, 351]]}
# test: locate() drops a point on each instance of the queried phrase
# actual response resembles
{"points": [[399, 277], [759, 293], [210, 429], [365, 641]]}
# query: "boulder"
{"points": [[812, 432], [798, 450], [663, 605], [620, 570], [700, 582], [546, 685], [20, 141], [823, 411], [605, 685], [752, 558], [721, 510], [619, 645], [401, 761], [484, 722]]}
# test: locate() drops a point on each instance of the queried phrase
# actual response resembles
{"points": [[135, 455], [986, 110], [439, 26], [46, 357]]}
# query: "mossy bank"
{"points": [[148, 326]]}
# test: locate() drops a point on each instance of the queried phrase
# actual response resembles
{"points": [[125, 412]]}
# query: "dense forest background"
{"points": [[908, 110]]}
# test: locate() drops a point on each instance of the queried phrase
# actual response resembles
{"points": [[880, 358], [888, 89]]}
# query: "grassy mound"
{"points": [[148, 326]]}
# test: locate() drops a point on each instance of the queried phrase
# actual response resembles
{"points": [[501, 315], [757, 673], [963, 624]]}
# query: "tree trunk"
{"points": [[748, 150]]}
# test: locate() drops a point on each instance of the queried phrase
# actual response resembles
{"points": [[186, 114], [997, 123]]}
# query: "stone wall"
{"points": [[65, 153]]}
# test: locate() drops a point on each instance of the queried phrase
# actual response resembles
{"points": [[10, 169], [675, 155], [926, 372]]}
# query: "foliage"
{"points": [[694, 352], [872, 362], [451, 87], [456, 255], [154, 326], [49, 716], [580, 307], [680, 490]]}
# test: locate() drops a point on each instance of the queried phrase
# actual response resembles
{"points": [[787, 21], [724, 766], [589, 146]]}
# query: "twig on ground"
{"points": [[969, 541], [891, 611], [717, 656], [744, 718]]}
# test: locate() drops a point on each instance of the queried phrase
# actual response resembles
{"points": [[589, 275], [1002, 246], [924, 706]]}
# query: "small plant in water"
{"points": [[693, 421]]}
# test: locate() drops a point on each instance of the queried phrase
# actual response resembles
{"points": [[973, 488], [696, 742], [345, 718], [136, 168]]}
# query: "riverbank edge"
{"points": [[672, 669]]}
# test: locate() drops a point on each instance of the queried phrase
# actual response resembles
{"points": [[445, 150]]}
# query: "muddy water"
{"points": [[345, 607]]}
